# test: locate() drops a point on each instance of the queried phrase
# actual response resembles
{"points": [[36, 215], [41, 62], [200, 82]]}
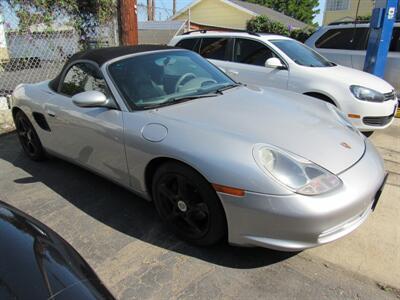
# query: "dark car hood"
{"points": [[36, 263]]}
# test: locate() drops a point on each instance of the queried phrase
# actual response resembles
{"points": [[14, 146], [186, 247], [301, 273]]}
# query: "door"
{"points": [[92, 137], [248, 65]]}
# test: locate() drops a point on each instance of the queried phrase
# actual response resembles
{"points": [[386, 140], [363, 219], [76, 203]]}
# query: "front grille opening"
{"points": [[377, 121], [390, 96]]}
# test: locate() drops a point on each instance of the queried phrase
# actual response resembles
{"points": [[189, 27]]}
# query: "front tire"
{"points": [[28, 137], [188, 204]]}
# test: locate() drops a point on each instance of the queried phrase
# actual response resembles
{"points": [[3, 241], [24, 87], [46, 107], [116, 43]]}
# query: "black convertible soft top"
{"points": [[102, 55]]}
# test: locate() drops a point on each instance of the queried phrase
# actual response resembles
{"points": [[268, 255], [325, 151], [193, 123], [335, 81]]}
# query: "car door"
{"points": [[92, 137], [248, 65]]}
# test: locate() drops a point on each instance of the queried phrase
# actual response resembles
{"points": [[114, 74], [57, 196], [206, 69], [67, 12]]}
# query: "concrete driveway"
{"points": [[122, 238]]}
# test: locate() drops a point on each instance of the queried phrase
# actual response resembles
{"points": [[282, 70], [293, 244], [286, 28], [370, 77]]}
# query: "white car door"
{"points": [[248, 65], [90, 136]]}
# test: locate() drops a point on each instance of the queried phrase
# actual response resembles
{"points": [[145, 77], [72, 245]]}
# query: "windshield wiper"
{"points": [[180, 99], [227, 87]]}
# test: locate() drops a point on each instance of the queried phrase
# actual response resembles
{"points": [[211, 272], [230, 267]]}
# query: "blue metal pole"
{"points": [[381, 27]]}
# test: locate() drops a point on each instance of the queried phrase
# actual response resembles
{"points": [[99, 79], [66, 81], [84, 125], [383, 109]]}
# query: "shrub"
{"points": [[263, 24]]}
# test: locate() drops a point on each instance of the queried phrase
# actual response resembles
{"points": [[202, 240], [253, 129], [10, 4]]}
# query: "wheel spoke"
{"points": [[192, 224], [183, 190], [22, 133], [167, 193], [25, 125], [199, 209], [32, 146], [173, 215]]}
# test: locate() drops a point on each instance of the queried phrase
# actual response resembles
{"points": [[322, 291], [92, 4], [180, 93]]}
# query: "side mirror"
{"points": [[274, 63], [90, 99]]}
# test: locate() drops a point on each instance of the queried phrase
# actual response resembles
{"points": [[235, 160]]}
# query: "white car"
{"points": [[346, 44], [277, 61]]}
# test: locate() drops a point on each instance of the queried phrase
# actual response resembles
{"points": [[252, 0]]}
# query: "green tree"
{"points": [[302, 10], [83, 15], [265, 25]]}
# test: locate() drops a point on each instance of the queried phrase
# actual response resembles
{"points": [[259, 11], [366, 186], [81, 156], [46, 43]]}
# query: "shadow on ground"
{"points": [[122, 210]]}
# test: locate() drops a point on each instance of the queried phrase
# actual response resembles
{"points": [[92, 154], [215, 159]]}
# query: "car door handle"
{"points": [[234, 72]]}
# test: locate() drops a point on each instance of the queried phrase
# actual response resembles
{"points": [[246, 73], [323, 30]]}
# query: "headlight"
{"points": [[294, 172], [366, 94]]}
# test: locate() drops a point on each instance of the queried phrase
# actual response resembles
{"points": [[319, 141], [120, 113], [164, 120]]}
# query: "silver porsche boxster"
{"points": [[262, 167]]}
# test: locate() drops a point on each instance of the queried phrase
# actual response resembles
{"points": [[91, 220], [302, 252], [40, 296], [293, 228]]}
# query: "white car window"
{"points": [[344, 38], [189, 44], [301, 54], [251, 52], [214, 48]]}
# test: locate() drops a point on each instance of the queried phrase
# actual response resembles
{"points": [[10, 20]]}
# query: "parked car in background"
{"points": [[263, 167], [36, 263], [278, 61], [346, 44]]}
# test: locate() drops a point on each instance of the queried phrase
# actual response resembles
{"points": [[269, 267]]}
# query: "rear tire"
{"points": [[188, 204], [28, 137]]}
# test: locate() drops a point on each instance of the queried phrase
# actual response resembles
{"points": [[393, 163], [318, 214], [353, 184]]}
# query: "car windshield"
{"points": [[167, 77], [301, 54]]}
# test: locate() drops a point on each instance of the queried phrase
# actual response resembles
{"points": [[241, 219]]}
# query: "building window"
{"points": [[334, 5]]}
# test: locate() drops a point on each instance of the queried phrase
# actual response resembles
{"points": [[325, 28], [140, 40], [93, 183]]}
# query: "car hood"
{"points": [[287, 120], [350, 76], [36, 263]]}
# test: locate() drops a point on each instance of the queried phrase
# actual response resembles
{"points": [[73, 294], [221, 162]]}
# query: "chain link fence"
{"points": [[34, 53]]}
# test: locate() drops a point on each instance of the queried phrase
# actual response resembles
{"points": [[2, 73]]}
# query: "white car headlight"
{"points": [[294, 172], [366, 94]]}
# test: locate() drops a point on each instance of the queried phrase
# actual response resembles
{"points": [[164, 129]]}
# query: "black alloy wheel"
{"points": [[28, 137], [188, 203]]}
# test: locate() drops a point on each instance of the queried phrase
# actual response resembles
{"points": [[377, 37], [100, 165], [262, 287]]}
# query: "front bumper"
{"points": [[373, 116], [295, 222]]}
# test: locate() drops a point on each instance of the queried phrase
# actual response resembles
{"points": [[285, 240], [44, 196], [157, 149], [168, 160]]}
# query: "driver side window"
{"points": [[83, 77], [251, 52]]}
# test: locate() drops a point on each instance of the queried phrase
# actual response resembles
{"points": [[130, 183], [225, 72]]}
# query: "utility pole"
{"points": [[153, 10], [173, 7], [127, 12], [149, 10]]}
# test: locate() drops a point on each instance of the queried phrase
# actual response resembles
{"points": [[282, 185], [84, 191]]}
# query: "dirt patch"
{"points": [[6, 121]]}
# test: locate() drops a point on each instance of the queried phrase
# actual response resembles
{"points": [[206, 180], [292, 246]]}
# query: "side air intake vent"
{"points": [[41, 121]]}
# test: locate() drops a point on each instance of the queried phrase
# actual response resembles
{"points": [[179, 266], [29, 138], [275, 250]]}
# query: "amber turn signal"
{"points": [[228, 190], [353, 116]]}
